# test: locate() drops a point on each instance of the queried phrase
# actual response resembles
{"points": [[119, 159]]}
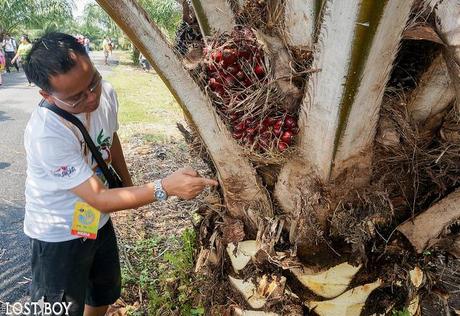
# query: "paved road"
{"points": [[17, 100]]}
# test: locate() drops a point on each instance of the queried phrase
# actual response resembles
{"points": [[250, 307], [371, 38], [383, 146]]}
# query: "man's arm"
{"points": [[184, 183], [119, 163]]}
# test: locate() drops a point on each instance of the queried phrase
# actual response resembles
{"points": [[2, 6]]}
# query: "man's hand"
{"points": [[186, 183]]}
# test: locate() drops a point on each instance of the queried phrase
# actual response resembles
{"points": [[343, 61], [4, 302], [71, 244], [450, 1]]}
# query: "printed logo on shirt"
{"points": [[64, 171], [103, 145]]}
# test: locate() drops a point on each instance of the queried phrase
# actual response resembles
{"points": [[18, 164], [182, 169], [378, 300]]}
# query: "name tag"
{"points": [[85, 221]]}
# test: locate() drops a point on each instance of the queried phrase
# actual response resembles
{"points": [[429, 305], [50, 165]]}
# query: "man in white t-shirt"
{"points": [[10, 47], [74, 250]]}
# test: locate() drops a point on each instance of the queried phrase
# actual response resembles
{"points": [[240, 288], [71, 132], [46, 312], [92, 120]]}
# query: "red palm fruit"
{"points": [[278, 124], [269, 121], [282, 146], [248, 139], [221, 92], [290, 122], [229, 57], [266, 135], [214, 84], [237, 135], [229, 81], [233, 69], [245, 53], [251, 130], [240, 127], [261, 128], [287, 137], [264, 143], [277, 130], [216, 55], [247, 82], [259, 70], [211, 67]]}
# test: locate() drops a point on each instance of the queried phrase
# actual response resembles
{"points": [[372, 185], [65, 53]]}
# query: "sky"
{"points": [[80, 5]]}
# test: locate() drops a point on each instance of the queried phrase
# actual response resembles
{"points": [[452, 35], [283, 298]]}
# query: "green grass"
{"points": [[163, 268], [144, 99]]}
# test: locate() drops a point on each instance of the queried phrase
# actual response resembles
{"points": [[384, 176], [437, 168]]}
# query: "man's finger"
{"points": [[189, 171], [206, 181]]}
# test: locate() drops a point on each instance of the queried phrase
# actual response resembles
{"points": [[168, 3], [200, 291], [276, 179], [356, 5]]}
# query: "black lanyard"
{"points": [[110, 175]]}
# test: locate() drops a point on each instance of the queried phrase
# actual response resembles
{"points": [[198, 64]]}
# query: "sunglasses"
{"points": [[84, 95]]}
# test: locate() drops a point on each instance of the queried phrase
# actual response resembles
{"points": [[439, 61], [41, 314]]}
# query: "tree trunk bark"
{"points": [[300, 22], [448, 28], [214, 16], [353, 57], [362, 100], [245, 196]]}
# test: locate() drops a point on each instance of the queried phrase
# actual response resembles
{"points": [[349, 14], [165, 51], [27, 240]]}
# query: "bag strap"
{"points": [[96, 154]]}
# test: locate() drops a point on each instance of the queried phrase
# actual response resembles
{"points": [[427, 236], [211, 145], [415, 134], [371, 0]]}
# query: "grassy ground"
{"points": [[146, 105], [157, 241]]}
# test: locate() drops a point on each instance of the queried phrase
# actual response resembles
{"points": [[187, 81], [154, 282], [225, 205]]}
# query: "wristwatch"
{"points": [[160, 193]]}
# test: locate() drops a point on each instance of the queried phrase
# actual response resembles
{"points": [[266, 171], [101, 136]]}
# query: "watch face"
{"points": [[160, 195]]}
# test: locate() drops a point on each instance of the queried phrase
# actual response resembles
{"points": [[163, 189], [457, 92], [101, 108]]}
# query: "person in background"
{"points": [[86, 44], [2, 65], [9, 46], [80, 38], [144, 63], [110, 45], [21, 54], [106, 50]]}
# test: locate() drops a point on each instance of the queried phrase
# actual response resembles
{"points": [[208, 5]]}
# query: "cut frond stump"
{"points": [[257, 295], [241, 254], [424, 229], [240, 312], [329, 283], [349, 303]]}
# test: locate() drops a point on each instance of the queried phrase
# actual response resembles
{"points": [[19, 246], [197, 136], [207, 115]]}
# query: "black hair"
{"points": [[51, 55], [26, 37]]}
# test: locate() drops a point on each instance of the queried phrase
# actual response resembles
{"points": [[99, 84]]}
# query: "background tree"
{"points": [[326, 224], [18, 16], [96, 24]]}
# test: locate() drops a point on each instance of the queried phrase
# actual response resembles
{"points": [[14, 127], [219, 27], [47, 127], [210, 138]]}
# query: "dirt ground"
{"points": [[148, 161]]}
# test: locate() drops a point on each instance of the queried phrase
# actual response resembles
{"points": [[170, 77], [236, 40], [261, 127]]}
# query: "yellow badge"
{"points": [[85, 221]]}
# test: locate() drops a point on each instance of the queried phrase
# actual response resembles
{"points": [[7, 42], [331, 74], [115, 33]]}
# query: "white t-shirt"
{"points": [[56, 163], [10, 45]]}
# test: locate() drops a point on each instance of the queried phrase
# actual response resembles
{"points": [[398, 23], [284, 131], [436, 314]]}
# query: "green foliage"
{"points": [[163, 268], [165, 13], [173, 290], [426, 253], [96, 24], [144, 98], [404, 312], [19, 16]]}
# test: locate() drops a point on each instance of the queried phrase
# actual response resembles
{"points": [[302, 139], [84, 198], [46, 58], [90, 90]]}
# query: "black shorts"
{"points": [[78, 271]]}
